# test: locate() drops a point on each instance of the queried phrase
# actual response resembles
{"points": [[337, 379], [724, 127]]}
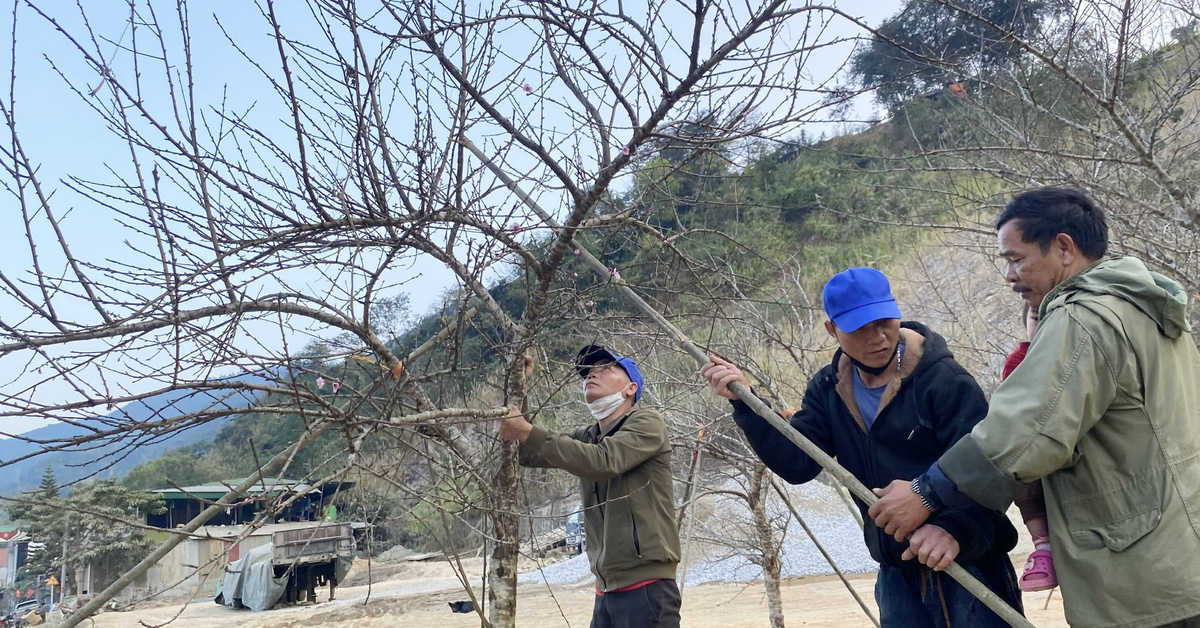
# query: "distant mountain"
{"points": [[101, 460]]}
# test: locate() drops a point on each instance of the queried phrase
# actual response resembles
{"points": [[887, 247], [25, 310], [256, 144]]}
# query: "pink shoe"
{"points": [[1039, 572]]}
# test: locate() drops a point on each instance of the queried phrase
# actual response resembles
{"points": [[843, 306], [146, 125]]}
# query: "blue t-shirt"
{"points": [[868, 399]]}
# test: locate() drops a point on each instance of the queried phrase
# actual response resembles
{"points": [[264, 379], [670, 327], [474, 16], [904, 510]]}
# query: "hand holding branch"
{"points": [[720, 374], [514, 426]]}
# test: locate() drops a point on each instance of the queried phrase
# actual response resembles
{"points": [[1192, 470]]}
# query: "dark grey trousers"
{"points": [[656, 604]]}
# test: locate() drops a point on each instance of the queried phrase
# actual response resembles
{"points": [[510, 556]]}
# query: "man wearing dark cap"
{"points": [[889, 404], [623, 461]]}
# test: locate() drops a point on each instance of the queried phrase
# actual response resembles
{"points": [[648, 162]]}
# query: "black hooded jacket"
{"points": [[930, 404]]}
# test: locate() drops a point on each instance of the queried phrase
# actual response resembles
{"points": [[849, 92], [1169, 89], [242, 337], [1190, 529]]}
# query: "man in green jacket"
{"points": [[1105, 408], [623, 461]]}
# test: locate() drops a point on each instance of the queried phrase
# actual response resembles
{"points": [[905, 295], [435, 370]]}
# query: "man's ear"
{"points": [[831, 328], [635, 389], [1066, 248]]}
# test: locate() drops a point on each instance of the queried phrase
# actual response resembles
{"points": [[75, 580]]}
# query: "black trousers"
{"points": [[915, 597], [656, 604]]}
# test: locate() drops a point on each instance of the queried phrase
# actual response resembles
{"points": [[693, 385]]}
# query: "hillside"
{"points": [[104, 461]]}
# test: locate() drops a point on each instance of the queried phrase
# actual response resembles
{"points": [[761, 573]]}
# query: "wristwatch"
{"points": [[915, 485]]}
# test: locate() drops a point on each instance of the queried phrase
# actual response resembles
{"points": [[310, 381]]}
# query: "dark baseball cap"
{"points": [[595, 354], [857, 296]]}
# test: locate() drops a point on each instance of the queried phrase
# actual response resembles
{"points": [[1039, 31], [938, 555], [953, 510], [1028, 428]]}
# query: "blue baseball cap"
{"points": [[857, 296], [593, 354]]}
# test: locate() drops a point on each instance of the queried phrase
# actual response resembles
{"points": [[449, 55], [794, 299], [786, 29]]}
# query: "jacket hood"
{"points": [[935, 348], [1127, 278]]}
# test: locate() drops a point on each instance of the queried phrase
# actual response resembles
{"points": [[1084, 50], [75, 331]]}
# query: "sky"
{"points": [[65, 138]]}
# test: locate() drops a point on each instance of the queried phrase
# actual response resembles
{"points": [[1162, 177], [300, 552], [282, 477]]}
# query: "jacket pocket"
{"points": [[1117, 517], [1118, 535]]}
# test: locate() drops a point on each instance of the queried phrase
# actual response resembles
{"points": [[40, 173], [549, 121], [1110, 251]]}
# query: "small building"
{"points": [[14, 550], [183, 504], [194, 567]]}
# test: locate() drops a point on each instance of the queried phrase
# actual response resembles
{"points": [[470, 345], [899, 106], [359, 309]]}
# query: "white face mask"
{"points": [[603, 407]]}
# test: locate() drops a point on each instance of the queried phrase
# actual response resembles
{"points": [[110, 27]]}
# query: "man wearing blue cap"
{"points": [[892, 400], [623, 461]]}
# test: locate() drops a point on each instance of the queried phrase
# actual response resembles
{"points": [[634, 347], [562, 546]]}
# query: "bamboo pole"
{"points": [[841, 491], [687, 538], [969, 582], [821, 548]]}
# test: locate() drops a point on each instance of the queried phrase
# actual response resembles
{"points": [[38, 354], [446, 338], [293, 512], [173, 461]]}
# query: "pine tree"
{"points": [[48, 489]]}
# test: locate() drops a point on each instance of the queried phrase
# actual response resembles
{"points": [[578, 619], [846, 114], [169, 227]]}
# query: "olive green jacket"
{"points": [[1105, 408], [627, 491]]}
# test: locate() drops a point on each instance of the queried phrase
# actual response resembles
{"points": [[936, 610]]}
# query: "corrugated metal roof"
{"points": [[267, 486], [217, 490]]}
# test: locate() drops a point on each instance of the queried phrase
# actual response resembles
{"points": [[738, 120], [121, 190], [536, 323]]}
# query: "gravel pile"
{"points": [[822, 509], [574, 570], [394, 554]]}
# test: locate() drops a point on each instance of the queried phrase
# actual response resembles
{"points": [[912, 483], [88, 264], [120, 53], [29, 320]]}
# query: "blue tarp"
{"points": [[250, 581]]}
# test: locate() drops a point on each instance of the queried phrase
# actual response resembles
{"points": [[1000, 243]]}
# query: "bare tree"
{"points": [[283, 204], [1099, 96]]}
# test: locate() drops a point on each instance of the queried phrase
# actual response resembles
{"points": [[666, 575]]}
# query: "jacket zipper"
{"points": [[600, 554], [881, 536], [637, 544]]}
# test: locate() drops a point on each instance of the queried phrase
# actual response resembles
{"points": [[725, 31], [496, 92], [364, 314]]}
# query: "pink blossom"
{"points": [[624, 150], [575, 275], [528, 88], [320, 383], [616, 274], [590, 304], [335, 386], [516, 226], [577, 251]]}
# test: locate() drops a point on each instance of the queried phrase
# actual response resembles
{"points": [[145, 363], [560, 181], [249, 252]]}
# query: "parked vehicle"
{"points": [[576, 538], [16, 619], [290, 568]]}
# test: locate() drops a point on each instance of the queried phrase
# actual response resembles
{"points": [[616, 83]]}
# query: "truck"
{"points": [[576, 540], [289, 568], [310, 557]]}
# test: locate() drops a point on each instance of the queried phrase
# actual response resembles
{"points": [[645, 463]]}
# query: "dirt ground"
{"points": [[418, 594]]}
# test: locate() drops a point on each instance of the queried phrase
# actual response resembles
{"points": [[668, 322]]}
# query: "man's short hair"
{"points": [[1044, 213]]}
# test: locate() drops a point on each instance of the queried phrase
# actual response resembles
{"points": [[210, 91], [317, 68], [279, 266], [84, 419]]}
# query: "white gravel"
{"points": [[822, 509]]}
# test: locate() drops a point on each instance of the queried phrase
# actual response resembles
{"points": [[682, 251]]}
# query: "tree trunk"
{"points": [[502, 569], [771, 563]]}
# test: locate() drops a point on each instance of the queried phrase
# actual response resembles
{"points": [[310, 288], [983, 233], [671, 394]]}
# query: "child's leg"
{"points": [[1039, 571], [1032, 504], [1039, 529]]}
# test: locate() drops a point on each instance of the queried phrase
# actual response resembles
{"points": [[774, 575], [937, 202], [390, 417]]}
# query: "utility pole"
{"points": [[62, 591]]}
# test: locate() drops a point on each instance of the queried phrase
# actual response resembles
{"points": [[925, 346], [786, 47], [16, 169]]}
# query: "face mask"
{"points": [[876, 370], [603, 407]]}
